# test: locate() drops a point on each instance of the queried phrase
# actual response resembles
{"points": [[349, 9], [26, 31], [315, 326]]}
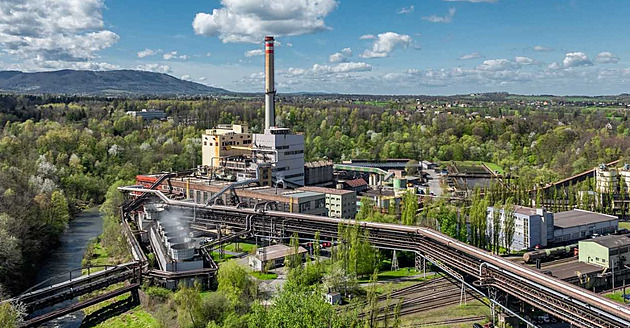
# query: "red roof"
{"points": [[356, 183]]}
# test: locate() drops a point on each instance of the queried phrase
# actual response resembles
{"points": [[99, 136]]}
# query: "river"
{"points": [[68, 255]]}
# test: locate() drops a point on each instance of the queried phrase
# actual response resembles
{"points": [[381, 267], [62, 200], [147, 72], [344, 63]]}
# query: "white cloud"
{"points": [[158, 68], [170, 55], [495, 65], [524, 60], [470, 56], [251, 20], [255, 52], [576, 59], [148, 52], [554, 66], [367, 37], [185, 77], [341, 68], [385, 44], [341, 56], [208, 54], [174, 55], [203, 78], [441, 19], [542, 48], [45, 33], [406, 10], [606, 57]]}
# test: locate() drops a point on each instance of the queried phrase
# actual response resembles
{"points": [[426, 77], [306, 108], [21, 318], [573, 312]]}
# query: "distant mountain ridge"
{"points": [[119, 82]]}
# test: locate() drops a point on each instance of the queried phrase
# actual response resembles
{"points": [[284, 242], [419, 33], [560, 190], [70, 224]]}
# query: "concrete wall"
{"points": [[561, 235]]}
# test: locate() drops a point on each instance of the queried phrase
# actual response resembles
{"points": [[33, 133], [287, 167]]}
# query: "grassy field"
{"points": [[217, 257], [624, 225], [264, 276], [136, 318], [616, 296], [240, 247], [389, 275], [475, 166]]}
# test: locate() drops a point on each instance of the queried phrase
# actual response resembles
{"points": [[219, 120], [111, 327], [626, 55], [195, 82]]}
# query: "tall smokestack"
{"points": [[270, 91]]}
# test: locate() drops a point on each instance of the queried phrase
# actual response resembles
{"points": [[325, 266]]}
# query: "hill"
{"points": [[121, 82]]}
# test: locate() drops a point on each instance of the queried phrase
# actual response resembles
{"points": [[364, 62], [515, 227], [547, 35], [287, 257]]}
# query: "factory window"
{"points": [[305, 206], [293, 152], [282, 147], [205, 143]]}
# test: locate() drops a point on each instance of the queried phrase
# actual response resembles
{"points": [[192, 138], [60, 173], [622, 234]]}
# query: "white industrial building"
{"points": [[535, 227], [532, 227], [285, 151]]}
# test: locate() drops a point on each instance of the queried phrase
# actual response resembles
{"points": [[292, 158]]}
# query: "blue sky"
{"points": [[349, 46]]}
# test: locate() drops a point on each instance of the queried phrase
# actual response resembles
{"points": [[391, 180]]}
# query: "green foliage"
{"points": [[296, 306], [237, 285], [410, 208], [9, 316], [188, 301], [113, 237]]}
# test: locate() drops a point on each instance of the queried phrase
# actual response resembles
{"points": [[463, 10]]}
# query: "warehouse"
{"points": [[580, 224], [606, 251]]}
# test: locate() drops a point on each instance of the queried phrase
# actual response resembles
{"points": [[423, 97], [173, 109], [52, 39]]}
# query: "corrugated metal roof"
{"points": [[611, 241], [577, 217]]}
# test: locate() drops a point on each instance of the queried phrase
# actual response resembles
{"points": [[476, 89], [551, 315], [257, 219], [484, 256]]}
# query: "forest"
{"points": [[60, 154]]}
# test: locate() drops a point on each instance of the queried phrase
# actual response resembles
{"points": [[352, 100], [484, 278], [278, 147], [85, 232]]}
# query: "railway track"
{"points": [[446, 322]]}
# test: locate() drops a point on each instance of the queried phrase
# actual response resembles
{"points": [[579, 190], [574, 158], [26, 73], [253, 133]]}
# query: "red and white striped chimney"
{"points": [[270, 91]]}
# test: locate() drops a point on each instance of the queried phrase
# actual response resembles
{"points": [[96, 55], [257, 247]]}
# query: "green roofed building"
{"points": [[605, 251]]}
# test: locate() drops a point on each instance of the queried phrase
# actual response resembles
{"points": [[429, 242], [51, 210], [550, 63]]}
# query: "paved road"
{"points": [[434, 183]]}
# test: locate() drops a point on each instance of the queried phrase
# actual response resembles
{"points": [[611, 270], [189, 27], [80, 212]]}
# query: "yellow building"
{"points": [[225, 140]]}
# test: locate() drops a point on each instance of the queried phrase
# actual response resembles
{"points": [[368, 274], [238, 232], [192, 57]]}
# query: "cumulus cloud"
{"points": [[470, 56], [174, 55], [203, 78], [186, 77], [524, 60], [45, 33], [542, 48], [158, 68], [495, 65], [385, 43], [441, 19], [251, 20], [341, 56], [253, 53], [146, 53], [406, 10], [606, 57], [318, 69], [576, 59]]}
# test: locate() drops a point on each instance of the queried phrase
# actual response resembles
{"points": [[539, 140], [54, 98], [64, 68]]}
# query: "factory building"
{"points": [[148, 114], [533, 226], [607, 251], [273, 256], [339, 203], [200, 190], [285, 151], [318, 173], [570, 226], [226, 140]]}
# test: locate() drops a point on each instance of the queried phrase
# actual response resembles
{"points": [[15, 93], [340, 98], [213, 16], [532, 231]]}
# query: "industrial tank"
{"points": [[182, 252]]}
